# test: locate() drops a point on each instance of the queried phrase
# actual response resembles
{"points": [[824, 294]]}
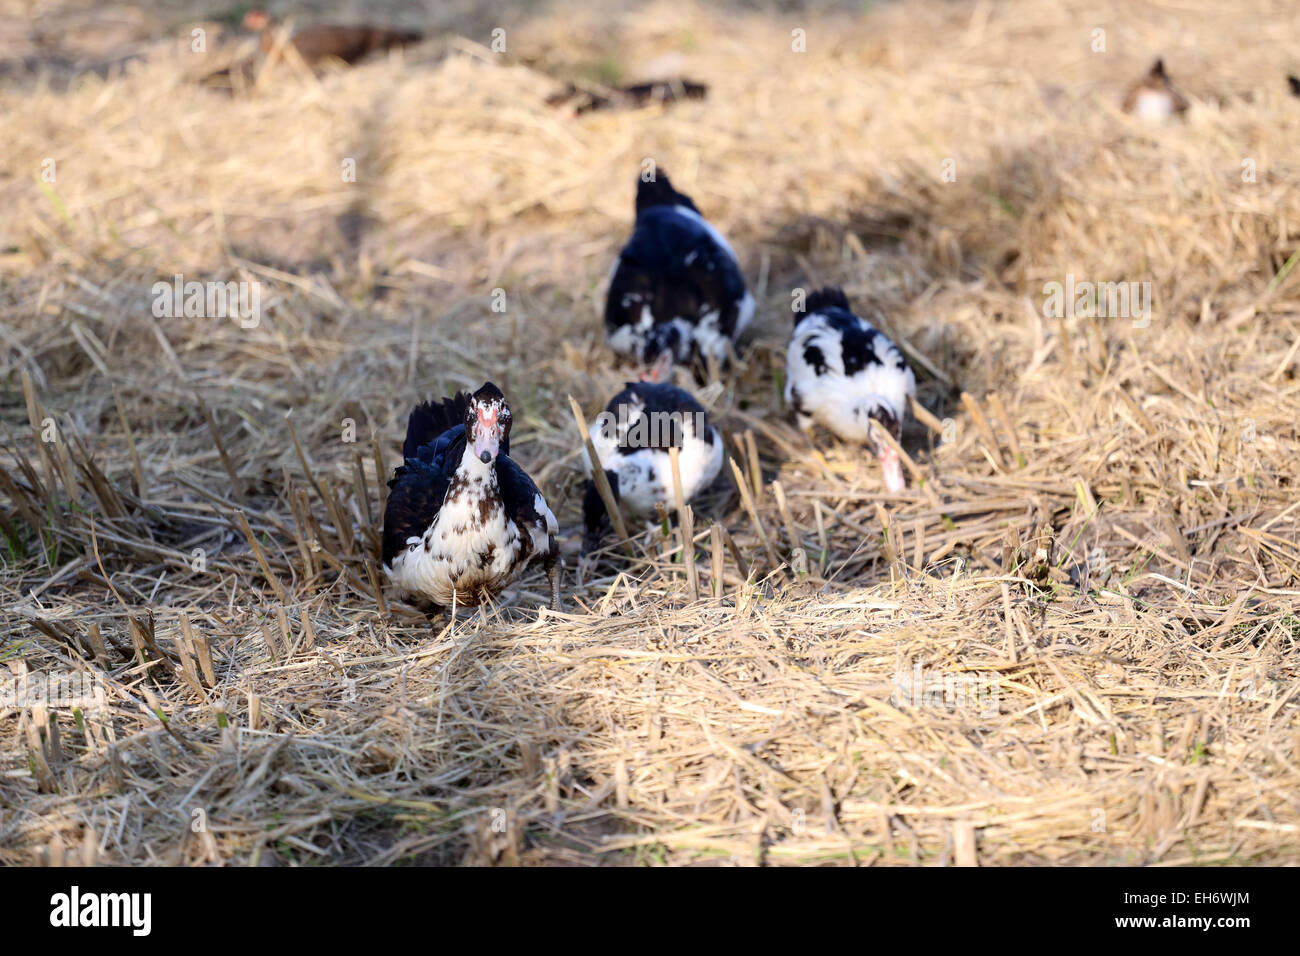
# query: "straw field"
{"points": [[1073, 640]]}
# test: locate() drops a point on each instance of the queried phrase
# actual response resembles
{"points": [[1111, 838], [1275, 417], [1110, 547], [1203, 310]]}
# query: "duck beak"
{"points": [[892, 467], [661, 369], [487, 436]]}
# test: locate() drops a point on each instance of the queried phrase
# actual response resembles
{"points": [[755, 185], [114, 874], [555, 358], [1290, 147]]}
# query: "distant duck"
{"points": [[330, 41], [676, 288], [462, 517], [1154, 98], [844, 374], [582, 98], [1293, 83], [632, 437]]}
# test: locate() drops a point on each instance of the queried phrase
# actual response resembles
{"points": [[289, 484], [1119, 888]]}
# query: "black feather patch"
{"points": [[640, 400], [519, 495], [814, 357], [418, 490], [658, 191], [859, 348], [858, 342], [830, 297]]}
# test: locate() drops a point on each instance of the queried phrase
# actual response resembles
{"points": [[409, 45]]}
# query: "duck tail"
{"points": [[829, 297], [430, 419]]}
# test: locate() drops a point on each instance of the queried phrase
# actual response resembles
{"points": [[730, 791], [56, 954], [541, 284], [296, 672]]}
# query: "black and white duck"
{"points": [[632, 437], [676, 288], [463, 520], [844, 374]]}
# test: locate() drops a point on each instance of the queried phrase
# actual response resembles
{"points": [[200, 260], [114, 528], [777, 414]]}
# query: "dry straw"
{"points": [[1097, 583]]}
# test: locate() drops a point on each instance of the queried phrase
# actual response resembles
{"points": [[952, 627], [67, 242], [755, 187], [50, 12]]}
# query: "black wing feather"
{"points": [[519, 496], [418, 490]]}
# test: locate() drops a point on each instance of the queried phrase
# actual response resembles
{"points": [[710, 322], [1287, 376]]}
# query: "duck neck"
{"points": [[474, 468]]}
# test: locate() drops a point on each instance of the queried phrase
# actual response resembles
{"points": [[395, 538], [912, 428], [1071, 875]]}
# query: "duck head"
{"points": [[661, 370], [658, 191], [663, 346], [487, 422], [257, 20], [891, 466]]}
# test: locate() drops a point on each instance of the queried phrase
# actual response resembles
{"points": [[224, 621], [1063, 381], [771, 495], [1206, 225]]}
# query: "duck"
{"points": [[1154, 98], [1293, 84], [847, 376], [632, 437], [581, 98], [463, 520], [676, 288], [325, 41]]}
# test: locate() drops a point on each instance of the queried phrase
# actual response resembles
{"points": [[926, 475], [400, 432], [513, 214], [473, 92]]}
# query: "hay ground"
{"points": [[1106, 534]]}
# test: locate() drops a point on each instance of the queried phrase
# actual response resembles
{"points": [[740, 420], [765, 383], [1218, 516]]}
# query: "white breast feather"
{"points": [[448, 555]]}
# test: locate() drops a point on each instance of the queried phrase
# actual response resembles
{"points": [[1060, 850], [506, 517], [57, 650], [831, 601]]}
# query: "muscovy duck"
{"points": [[1153, 98], [844, 374], [462, 517], [632, 437], [326, 40], [676, 287], [589, 97]]}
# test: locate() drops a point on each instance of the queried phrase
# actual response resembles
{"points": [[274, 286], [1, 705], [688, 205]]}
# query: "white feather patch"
{"points": [[840, 402]]}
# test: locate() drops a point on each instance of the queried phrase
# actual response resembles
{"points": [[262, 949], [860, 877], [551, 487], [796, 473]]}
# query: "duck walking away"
{"points": [[676, 293]]}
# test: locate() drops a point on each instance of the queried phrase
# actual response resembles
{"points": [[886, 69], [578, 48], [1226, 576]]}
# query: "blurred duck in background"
{"points": [[1154, 98], [325, 41]]}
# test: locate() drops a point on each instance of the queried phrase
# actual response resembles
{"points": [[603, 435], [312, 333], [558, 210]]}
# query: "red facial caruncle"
{"points": [[487, 432]]}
